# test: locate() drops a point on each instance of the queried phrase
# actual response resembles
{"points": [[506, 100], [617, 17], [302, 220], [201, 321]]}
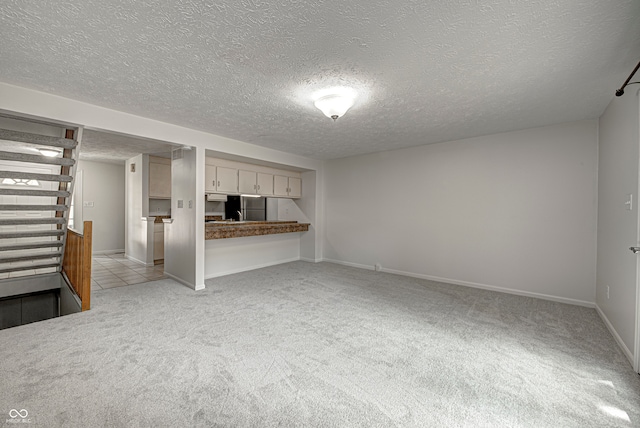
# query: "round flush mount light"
{"points": [[334, 106], [334, 102], [49, 152]]}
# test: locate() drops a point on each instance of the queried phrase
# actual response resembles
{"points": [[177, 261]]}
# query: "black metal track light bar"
{"points": [[620, 92]]}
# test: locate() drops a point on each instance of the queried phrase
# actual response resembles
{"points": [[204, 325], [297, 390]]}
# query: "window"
{"points": [[20, 182]]}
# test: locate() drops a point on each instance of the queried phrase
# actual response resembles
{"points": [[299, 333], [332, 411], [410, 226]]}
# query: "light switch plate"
{"points": [[629, 203], [180, 203]]}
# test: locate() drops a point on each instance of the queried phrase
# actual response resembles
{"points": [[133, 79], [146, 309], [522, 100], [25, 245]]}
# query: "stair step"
{"points": [[32, 176], [34, 245], [30, 267], [43, 220], [41, 140], [21, 157], [33, 208], [33, 234], [35, 192], [29, 257]]}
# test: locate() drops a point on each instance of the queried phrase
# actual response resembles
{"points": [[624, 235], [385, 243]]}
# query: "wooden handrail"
{"points": [[77, 263]]}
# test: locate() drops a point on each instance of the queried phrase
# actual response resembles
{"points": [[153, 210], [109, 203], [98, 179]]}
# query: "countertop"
{"points": [[236, 229]]}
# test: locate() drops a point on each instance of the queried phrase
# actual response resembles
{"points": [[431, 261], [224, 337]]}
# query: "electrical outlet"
{"points": [[607, 292]]}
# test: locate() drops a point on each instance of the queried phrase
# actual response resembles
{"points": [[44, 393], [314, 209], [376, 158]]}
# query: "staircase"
{"points": [[35, 201]]}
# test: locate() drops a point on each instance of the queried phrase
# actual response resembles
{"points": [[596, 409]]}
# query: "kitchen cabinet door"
{"points": [[226, 180], [287, 187], [159, 180], [280, 186], [210, 178], [247, 182], [295, 187], [265, 184]]}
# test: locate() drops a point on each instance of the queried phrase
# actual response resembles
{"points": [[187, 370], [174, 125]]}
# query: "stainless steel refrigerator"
{"points": [[254, 209]]}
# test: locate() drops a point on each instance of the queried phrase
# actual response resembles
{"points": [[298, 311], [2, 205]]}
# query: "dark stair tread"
{"points": [[33, 234], [22, 157], [33, 208], [25, 191], [30, 267], [40, 140], [34, 176], [29, 257], [31, 246], [38, 220]]}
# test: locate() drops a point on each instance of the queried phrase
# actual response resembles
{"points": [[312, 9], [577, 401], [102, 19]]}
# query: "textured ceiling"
{"points": [[426, 71], [106, 147]]}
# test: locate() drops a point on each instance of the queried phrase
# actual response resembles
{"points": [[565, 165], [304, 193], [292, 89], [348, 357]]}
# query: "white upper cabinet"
{"points": [[295, 187], [265, 184], [255, 183], [232, 177], [219, 179], [226, 180], [159, 178], [247, 182], [287, 187], [280, 185], [210, 178]]}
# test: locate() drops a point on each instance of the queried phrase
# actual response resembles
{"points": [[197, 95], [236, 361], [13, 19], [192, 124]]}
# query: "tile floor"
{"points": [[115, 270]]}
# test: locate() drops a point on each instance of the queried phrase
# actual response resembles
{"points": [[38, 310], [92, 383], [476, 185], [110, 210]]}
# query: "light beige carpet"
{"points": [[321, 345]]}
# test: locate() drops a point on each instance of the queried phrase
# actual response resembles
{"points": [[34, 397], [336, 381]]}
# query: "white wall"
{"points": [[309, 204], [232, 255], [103, 185], [617, 227], [137, 229], [184, 237], [513, 211]]}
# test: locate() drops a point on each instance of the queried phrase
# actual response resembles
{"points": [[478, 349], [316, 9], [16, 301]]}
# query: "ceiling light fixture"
{"points": [[335, 105], [49, 152]]}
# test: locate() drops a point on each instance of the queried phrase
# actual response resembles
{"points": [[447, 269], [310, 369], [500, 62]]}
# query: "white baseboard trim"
{"points": [[305, 259], [355, 265], [183, 282], [248, 268], [615, 335], [471, 284], [133, 259], [107, 252]]}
